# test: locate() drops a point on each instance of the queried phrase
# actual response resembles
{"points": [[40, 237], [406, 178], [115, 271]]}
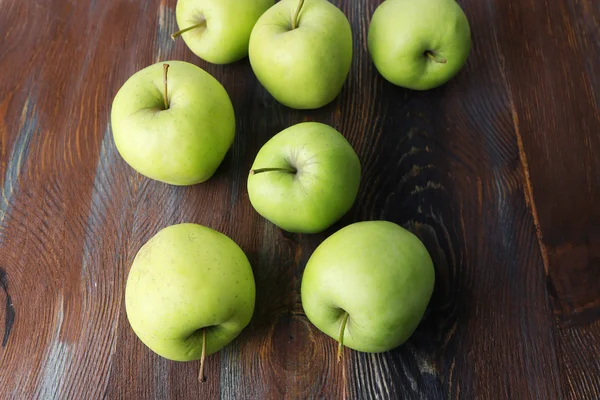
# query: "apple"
{"points": [[301, 51], [368, 286], [218, 31], [305, 178], [189, 293], [173, 122], [419, 44]]}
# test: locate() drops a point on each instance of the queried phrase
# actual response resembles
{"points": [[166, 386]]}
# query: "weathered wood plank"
{"points": [[554, 82]]}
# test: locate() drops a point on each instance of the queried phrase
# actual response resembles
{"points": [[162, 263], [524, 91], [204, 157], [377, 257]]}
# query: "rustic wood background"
{"points": [[497, 172]]}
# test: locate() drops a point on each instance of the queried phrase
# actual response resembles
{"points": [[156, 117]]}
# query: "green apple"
{"points": [[305, 178], [419, 44], [189, 293], [173, 124], [368, 285], [300, 51], [218, 31]]}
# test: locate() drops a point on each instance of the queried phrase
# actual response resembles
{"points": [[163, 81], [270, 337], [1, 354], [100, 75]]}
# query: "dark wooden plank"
{"points": [[555, 87], [67, 301], [470, 167]]}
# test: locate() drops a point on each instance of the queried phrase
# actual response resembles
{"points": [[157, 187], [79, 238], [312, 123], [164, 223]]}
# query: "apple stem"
{"points": [[296, 14], [260, 170], [189, 28], [166, 98], [433, 57], [341, 341], [202, 357]]}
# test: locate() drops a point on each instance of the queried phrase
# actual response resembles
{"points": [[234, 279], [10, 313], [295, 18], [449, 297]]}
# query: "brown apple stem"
{"points": [[260, 170], [166, 98], [189, 28], [202, 357], [296, 14], [341, 336], [435, 58]]}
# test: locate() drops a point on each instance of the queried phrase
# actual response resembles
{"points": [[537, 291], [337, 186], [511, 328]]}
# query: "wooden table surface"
{"points": [[496, 172]]}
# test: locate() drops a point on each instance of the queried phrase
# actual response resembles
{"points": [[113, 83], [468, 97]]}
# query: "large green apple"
{"points": [[368, 285], [419, 44], [304, 178], [218, 31], [189, 287], [173, 124], [301, 51]]}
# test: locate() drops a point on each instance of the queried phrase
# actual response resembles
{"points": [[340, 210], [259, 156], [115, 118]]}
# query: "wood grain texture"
{"points": [[557, 121], [496, 172]]}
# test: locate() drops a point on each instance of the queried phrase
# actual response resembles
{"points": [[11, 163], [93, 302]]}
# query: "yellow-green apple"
{"points": [[301, 51], [218, 31], [305, 178], [189, 293], [419, 44], [368, 285], [173, 122]]}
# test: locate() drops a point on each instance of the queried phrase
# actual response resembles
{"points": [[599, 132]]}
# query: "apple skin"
{"points": [[184, 144], [185, 278], [400, 33], [303, 68], [229, 23], [377, 272], [321, 191]]}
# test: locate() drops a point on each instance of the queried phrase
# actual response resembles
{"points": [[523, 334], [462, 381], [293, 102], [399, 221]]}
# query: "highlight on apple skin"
{"points": [[368, 286], [305, 178], [173, 122]]}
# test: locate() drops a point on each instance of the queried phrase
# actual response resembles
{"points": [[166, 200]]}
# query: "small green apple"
{"points": [[419, 44], [368, 286], [218, 31], [173, 124], [189, 293], [301, 51], [305, 178]]}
